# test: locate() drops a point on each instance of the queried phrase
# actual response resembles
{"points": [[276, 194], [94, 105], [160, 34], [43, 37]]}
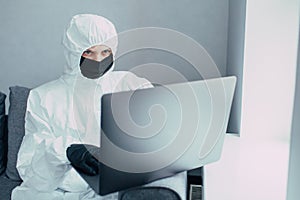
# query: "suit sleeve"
{"points": [[42, 162], [134, 82]]}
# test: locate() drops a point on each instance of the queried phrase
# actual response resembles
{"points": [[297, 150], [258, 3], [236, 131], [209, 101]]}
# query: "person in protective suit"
{"points": [[64, 114]]}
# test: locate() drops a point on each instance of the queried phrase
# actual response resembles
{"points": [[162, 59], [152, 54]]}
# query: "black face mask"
{"points": [[94, 69]]}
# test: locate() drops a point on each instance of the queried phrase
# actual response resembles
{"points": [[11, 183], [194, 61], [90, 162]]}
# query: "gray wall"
{"points": [[235, 57], [31, 32], [293, 192]]}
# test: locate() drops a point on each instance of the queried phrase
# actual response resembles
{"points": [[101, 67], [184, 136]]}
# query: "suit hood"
{"points": [[83, 32]]}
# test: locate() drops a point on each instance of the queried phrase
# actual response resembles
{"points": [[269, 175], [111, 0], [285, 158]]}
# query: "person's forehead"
{"points": [[99, 47]]}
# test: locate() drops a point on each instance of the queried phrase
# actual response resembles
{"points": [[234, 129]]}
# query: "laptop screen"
{"points": [[154, 133]]}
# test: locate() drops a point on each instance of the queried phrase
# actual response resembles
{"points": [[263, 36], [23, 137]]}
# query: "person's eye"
{"points": [[87, 52], [106, 51]]}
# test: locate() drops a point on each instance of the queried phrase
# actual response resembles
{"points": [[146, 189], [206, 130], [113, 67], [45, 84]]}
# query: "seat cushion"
{"points": [[149, 193], [6, 187], [3, 135], [16, 127]]}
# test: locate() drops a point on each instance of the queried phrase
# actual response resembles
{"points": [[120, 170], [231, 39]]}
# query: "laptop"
{"points": [[153, 133]]}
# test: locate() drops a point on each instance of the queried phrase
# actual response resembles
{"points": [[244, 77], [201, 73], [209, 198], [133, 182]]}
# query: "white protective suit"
{"points": [[67, 111]]}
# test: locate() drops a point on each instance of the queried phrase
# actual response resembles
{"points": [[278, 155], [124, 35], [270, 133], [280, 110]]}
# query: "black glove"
{"points": [[81, 158]]}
